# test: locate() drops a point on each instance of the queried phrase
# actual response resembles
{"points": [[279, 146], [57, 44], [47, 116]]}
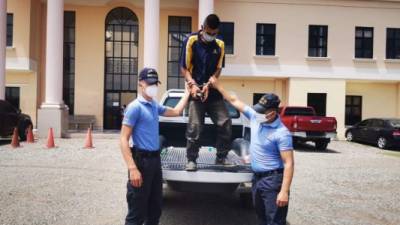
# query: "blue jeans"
{"points": [[265, 191], [145, 202]]}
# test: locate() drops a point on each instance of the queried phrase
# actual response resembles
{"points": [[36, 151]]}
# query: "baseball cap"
{"points": [[149, 75], [267, 101]]}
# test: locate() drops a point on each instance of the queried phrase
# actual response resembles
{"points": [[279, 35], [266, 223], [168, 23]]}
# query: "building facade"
{"points": [[340, 56]]}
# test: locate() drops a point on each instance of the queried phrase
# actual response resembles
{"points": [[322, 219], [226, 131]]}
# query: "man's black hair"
{"points": [[212, 21]]}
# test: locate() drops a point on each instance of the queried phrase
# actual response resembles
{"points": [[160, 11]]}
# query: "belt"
{"points": [[259, 175], [143, 153]]}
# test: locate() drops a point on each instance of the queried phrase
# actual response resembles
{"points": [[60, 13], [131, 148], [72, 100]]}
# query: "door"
{"points": [[374, 131], [318, 102], [121, 64], [362, 130]]}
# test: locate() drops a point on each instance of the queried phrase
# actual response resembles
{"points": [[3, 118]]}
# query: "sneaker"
{"points": [[191, 166]]}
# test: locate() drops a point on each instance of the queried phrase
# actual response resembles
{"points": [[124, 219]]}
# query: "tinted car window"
{"points": [[293, 111], [394, 123], [363, 123], [377, 123]]}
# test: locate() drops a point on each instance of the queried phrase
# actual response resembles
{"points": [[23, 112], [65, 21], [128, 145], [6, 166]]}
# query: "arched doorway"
{"points": [[121, 64]]}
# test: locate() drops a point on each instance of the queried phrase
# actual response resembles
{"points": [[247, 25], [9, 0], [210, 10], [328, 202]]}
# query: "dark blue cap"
{"points": [[149, 75], [268, 101]]}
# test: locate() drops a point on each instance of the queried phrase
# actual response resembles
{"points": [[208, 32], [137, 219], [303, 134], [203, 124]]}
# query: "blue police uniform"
{"points": [[144, 203], [267, 141]]}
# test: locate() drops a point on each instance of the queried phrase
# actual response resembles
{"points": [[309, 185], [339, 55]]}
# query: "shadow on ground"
{"points": [[205, 209], [306, 147]]}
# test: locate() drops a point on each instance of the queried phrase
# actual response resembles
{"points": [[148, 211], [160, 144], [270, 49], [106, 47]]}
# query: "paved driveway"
{"points": [[347, 184]]}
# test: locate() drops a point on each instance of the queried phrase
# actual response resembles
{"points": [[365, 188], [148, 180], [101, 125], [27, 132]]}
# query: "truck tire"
{"points": [[246, 200], [321, 144]]}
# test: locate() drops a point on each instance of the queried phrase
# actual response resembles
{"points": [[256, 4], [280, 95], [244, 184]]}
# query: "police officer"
{"points": [[202, 58], [144, 194], [271, 154]]}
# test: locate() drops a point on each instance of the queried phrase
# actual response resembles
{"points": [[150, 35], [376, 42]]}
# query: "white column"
{"points": [[3, 36], [53, 113], [54, 53], [206, 7], [151, 33]]}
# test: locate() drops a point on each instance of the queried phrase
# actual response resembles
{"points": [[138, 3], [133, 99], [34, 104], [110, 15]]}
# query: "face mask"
{"points": [[209, 38], [152, 91], [260, 118]]}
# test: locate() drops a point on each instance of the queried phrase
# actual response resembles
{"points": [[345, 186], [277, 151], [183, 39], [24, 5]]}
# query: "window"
{"points": [[364, 123], [12, 96], [226, 33], [393, 43], [318, 102], [377, 123], [69, 61], [364, 42], [10, 21], [179, 27], [317, 41], [353, 109], [265, 39], [301, 111]]}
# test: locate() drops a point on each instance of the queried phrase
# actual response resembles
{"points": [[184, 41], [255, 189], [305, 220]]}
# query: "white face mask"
{"points": [[260, 118], [152, 91], [209, 38]]}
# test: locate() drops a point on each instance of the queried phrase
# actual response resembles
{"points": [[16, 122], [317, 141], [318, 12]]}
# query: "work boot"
{"points": [[191, 166]]}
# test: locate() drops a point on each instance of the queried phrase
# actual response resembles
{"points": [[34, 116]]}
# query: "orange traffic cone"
{"points": [[89, 140], [15, 139], [29, 136], [50, 139]]}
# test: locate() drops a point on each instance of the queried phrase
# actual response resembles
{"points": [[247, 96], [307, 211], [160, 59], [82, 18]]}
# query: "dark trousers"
{"points": [[219, 115], [265, 192], [145, 202]]}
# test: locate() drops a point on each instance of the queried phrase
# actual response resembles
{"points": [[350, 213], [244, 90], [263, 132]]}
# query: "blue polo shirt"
{"points": [[267, 141], [142, 116], [202, 59]]}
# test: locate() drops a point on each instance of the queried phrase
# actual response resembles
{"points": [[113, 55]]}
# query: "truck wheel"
{"points": [[246, 200], [321, 144]]}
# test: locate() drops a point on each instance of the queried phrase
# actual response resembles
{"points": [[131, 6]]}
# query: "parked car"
{"points": [[382, 132], [10, 117], [305, 125]]}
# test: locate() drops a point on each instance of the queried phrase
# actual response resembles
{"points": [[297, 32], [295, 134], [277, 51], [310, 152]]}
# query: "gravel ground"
{"points": [[348, 184]]}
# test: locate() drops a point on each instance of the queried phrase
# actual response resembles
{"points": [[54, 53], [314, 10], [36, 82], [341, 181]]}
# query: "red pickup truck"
{"points": [[305, 125]]}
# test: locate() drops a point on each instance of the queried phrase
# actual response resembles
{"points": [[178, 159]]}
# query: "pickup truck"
{"points": [[209, 178], [305, 125]]}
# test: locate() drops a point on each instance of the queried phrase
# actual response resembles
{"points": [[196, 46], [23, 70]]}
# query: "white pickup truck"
{"points": [[209, 178]]}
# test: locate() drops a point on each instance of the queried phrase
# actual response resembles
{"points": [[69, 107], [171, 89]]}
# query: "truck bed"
{"points": [[209, 177]]}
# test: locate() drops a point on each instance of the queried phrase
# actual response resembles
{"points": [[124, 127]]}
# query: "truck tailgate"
{"points": [[315, 123], [173, 162]]}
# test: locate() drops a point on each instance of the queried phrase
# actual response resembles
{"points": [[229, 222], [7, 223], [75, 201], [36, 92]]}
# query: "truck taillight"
{"points": [[295, 125], [334, 126], [396, 133]]}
